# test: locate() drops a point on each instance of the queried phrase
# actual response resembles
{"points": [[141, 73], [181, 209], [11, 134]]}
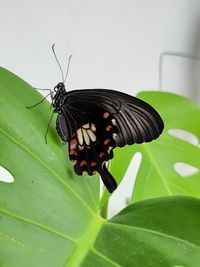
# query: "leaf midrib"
{"points": [[85, 243], [81, 247]]}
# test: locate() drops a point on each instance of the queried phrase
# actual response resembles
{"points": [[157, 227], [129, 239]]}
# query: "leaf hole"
{"points": [[5, 176], [123, 194], [185, 169], [185, 136]]}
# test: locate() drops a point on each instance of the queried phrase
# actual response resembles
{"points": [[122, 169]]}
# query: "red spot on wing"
{"points": [[73, 143], [73, 152], [108, 128], [106, 115], [83, 163], [106, 141], [102, 154]]}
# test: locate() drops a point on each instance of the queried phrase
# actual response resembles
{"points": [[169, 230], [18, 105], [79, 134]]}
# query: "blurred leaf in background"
{"points": [[157, 175]]}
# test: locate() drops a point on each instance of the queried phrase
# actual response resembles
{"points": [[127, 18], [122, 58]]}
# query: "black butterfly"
{"points": [[95, 121]]}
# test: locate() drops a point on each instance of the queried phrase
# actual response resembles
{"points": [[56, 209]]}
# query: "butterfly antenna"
{"points": [[68, 65], [53, 49], [38, 103], [49, 123]]}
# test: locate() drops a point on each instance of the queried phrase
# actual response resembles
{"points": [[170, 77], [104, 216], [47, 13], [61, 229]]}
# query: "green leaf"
{"points": [[157, 176], [49, 216], [47, 206], [162, 232]]}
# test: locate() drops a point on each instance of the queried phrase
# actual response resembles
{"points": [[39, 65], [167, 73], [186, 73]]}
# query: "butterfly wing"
{"points": [[136, 120], [94, 121], [92, 142]]}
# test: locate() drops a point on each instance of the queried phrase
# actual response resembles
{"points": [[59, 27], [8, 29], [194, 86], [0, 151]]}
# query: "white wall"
{"points": [[115, 44]]}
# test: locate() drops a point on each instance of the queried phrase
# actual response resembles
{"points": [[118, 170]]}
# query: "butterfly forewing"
{"points": [[136, 120]]}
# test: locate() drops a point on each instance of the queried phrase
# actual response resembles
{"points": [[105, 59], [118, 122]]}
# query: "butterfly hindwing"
{"points": [[62, 127], [92, 144]]}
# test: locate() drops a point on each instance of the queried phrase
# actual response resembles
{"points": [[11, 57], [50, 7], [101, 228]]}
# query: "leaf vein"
{"points": [[36, 224], [100, 255], [50, 170], [135, 228], [157, 169]]}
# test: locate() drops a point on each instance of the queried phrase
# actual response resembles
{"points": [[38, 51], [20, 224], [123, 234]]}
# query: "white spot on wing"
{"points": [[85, 134], [86, 137], [114, 122], [86, 126], [80, 147], [93, 128], [91, 135], [114, 136], [109, 149], [80, 136]]}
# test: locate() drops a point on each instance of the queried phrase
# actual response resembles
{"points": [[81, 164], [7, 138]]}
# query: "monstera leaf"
{"points": [[157, 175], [50, 217]]}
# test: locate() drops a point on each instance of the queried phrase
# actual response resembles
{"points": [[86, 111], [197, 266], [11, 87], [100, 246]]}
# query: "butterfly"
{"points": [[95, 121]]}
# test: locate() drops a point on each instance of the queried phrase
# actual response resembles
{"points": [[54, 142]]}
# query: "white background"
{"points": [[115, 44]]}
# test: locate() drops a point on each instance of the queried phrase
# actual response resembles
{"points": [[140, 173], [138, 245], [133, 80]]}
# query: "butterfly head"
{"points": [[59, 88], [59, 92]]}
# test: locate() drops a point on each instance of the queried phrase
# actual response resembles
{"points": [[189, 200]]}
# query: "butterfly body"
{"points": [[95, 121]]}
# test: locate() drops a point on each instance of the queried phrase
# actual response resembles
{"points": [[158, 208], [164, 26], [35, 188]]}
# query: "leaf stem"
{"points": [[85, 243]]}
